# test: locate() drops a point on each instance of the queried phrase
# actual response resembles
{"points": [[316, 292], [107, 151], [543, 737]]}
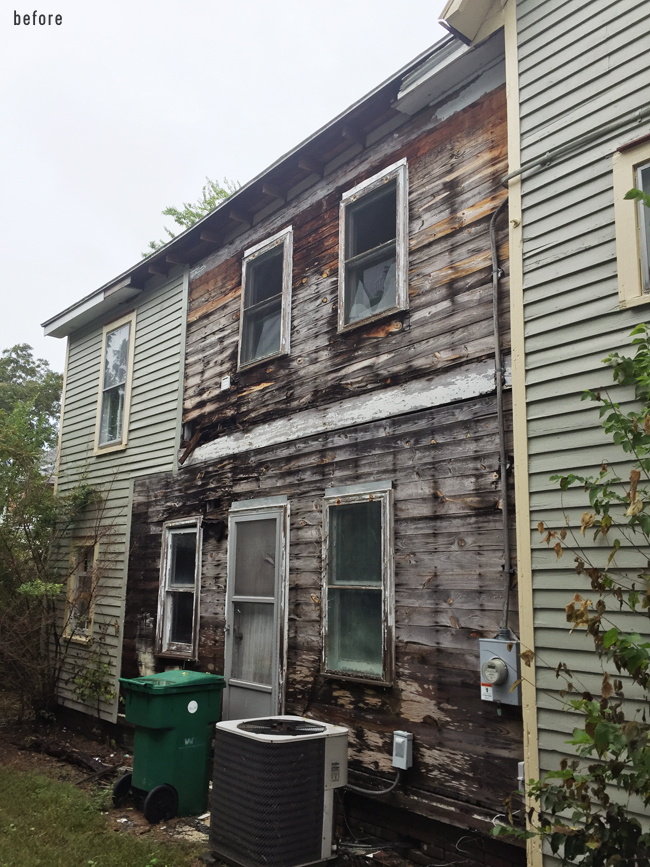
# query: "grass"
{"points": [[46, 823]]}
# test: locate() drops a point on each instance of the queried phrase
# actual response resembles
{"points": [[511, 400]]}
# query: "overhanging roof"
{"points": [[296, 170]]}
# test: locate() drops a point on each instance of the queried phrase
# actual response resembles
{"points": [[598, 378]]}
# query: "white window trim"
{"points": [[359, 494], [285, 237], [628, 229], [70, 632], [248, 510], [398, 171], [164, 647], [123, 442]]}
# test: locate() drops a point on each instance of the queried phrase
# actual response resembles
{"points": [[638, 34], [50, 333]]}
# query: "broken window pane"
{"points": [[262, 313], [255, 557], [355, 543], [116, 359], [354, 642], [253, 644], [183, 558], [370, 254], [372, 221], [182, 616]]}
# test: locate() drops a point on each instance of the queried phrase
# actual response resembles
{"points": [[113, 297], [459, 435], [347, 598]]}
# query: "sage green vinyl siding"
{"points": [[152, 447], [581, 65]]}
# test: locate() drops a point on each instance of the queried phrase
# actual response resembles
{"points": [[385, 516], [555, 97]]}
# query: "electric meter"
{"points": [[494, 671]]}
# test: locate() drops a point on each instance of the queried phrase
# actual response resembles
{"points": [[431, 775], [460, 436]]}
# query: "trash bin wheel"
{"points": [[122, 790], [160, 804]]}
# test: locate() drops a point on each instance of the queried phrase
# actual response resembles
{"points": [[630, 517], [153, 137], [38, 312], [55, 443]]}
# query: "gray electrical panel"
{"points": [[500, 669]]}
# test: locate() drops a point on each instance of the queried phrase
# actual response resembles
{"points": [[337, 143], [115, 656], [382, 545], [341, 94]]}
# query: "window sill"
{"points": [[371, 681], [384, 314], [188, 656], [624, 303], [109, 449], [79, 639], [258, 361]]}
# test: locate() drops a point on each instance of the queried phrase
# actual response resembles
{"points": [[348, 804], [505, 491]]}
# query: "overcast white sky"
{"points": [[126, 106]]}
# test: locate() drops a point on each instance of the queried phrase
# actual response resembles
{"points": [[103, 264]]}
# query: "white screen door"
{"points": [[254, 657]]}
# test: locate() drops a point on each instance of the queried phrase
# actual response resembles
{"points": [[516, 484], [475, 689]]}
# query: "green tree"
{"points": [[212, 194], [32, 521]]}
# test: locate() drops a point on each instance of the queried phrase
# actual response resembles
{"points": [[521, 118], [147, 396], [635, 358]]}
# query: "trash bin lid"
{"points": [[171, 681]]}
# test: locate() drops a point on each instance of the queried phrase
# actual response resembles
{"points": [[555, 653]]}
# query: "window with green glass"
{"points": [[358, 586]]}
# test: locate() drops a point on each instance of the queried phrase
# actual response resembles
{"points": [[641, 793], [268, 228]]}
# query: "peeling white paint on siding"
{"points": [[465, 383]]}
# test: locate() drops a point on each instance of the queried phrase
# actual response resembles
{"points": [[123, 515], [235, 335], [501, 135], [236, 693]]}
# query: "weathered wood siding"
{"points": [[152, 446], [454, 169], [442, 460], [449, 587], [581, 65]]}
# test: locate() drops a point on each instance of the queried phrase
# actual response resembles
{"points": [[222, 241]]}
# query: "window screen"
{"points": [[643, 183]]}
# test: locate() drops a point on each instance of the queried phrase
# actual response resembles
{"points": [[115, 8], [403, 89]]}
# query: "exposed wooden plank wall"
{"points": [[453, 189], [581, 65], [448, 575], [152, 445]]}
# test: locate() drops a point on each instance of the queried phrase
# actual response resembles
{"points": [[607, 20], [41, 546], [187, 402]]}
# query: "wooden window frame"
{"points": [[360, 493], [70, 632], [399, 172], [165, 647], [285, 237], [629, 252], [122, 443]]}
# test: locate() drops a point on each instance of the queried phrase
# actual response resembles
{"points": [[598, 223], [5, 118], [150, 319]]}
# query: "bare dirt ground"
{"points": [[17, 752]]}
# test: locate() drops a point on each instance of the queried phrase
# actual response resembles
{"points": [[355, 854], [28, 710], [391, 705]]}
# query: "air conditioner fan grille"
{"points": [[285, 727]]}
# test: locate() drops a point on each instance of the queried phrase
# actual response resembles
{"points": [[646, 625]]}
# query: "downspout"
{"points": [[497, 273]]}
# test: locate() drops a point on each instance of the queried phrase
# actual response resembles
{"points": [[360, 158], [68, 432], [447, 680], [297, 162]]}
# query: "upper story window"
{"points": [[373, 248], [266, 300], [180, 582], [358, 582], [643, 183], [115, 385], [631, 168]]}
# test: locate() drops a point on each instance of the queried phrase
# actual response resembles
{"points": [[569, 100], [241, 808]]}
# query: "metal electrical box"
{"points": [[500, 669]]}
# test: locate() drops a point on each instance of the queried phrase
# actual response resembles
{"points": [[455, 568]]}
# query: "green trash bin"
{"points": [[173, 713]]}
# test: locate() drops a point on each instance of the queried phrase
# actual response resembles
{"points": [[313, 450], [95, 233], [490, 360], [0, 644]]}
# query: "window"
{"points": [[358, 582], [631, 168], [373, 248], [115, 385], [265, 319], [81, 587], [178, 603]]}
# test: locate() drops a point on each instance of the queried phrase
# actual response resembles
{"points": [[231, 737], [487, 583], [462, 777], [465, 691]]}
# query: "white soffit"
{"points": [[90, 308], [448, 70], [473, 20]]}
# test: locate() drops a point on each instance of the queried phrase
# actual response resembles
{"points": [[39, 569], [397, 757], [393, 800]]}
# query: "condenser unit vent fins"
{"points": [[267, 800], [285, 727]]}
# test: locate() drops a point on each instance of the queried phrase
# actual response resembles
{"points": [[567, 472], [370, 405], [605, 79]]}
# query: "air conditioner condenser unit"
{"points": [[273, 790]]}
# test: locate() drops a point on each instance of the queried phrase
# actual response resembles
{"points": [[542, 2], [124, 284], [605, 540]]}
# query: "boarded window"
{"points": [[266, 300], [358, 585], [373, 251], [179, 589]]}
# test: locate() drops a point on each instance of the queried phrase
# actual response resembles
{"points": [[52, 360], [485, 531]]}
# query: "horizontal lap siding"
{"points": [[448, 585], [580, 65], [454, 172], [152, 444]]}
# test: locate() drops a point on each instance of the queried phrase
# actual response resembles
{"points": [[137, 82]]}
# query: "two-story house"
{"points": [[329, 528]]}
